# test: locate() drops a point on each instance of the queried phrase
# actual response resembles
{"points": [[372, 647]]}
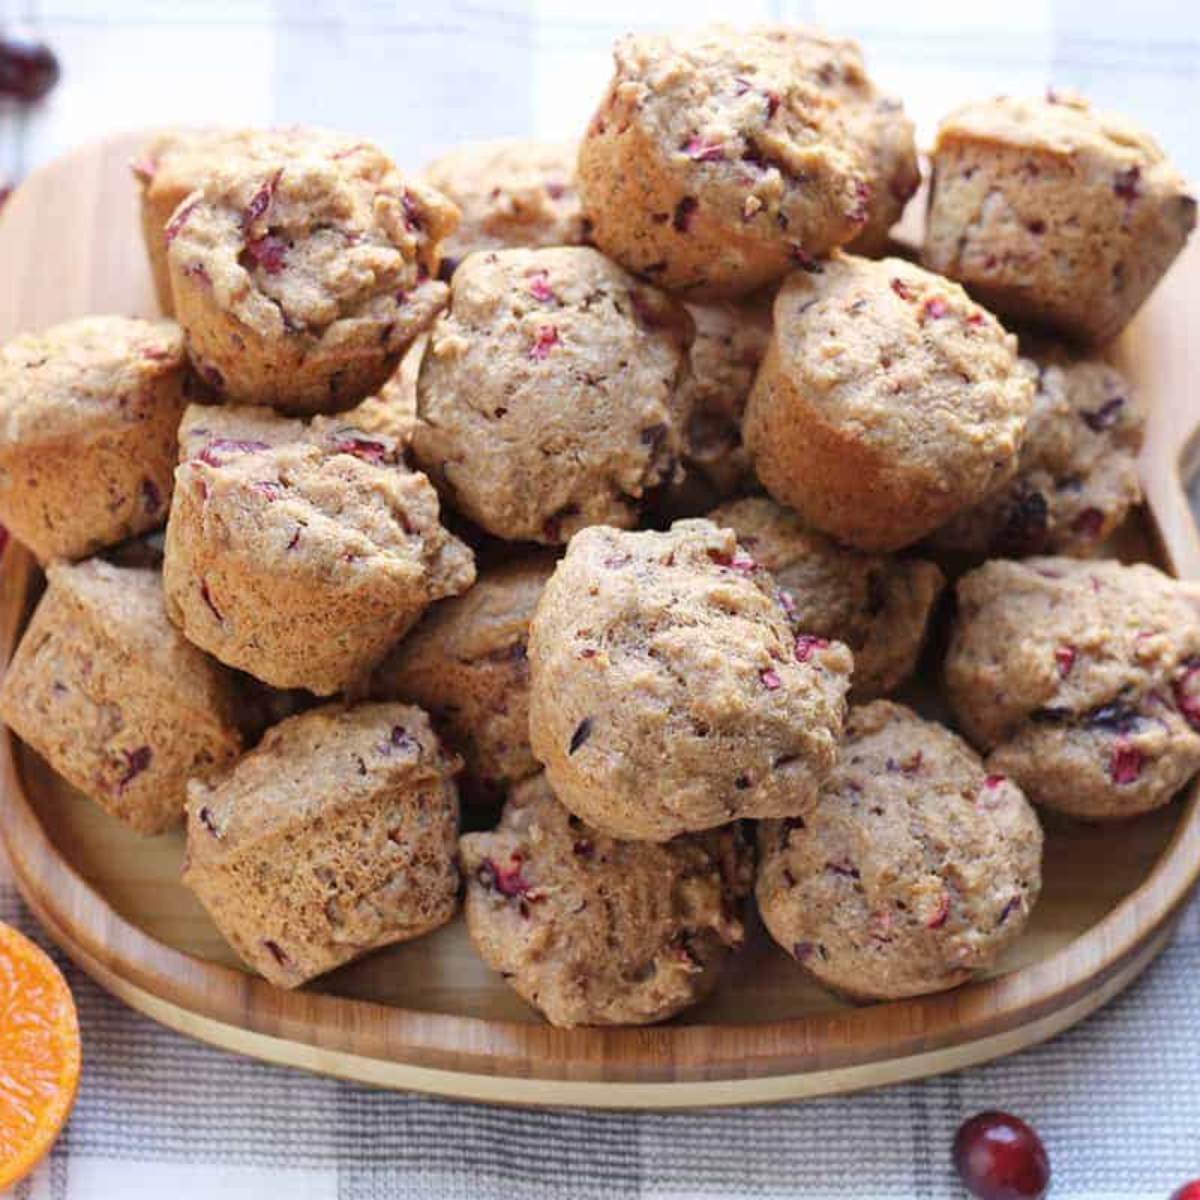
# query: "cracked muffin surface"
{"points": [[303, 553], [333, 837], [1053, 212], [1081, 680], [106, 689], [887, 401], [1077, 473], [669, 692], [301, 278], [878, 605], [916, 869], [719, 158], [510, 192], [594, 931], [549, 395], [88, 411]]}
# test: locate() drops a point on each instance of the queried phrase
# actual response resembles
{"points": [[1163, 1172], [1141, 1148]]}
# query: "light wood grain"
{"points": [[428, 1015]]}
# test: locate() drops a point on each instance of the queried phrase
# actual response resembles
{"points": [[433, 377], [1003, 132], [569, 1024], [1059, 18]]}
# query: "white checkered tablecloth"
{"points": [[1117, 1099]]}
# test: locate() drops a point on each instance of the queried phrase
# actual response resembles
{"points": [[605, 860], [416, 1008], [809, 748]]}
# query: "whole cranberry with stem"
{"points": [[999, 1157], [28, 70]]}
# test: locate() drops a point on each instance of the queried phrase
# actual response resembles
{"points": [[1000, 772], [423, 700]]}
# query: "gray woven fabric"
{"points": [[159, 1116]]}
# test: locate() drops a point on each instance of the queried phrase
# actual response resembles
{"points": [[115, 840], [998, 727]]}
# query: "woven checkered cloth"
{"points": [[1117, 1099]]}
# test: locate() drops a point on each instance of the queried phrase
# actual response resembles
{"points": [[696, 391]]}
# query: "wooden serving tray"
{"points": [[428, 1015]]}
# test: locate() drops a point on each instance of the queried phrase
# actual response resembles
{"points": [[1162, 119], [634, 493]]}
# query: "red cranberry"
{"points": [[544, 342], [770, 679], [902, 289], [1189, 1191], [1126, 764], [935, 307], [1065, 657], [999, 1157], [806, 643], [1187, 693], [28, 70]]}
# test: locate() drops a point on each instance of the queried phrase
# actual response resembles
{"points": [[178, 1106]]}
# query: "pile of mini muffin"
{"points": [[613, 487]]}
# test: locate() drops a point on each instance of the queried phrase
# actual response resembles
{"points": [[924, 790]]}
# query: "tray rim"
{"points": [[664, 1066]]}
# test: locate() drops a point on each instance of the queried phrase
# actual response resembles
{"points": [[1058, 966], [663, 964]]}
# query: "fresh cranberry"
{"points": [[999, 1157], [1126, 763], [698, 150], [806, 644], [544, 342], [1065, 657], [1189, 1191], [28, 70], [1187, 693]]}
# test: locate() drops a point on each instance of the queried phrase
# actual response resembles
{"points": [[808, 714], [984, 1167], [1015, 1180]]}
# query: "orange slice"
{"points": [[39, 1055]]}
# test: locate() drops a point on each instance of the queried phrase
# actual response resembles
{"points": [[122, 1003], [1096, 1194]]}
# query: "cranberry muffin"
{"points": [[592, 931], [510, 192], [1079, 680], [88, 411], [720, 158], [549, 395], [1077, 474], [303, 553], [106, 690], [915, 871], [467, 664], [334, 837], [887, 402], [877, 605], [1050, 211], [301, 278], [669, 691]]}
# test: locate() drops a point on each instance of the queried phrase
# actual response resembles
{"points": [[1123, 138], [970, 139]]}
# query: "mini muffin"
{"points": [[1082, 680], [730, 341], [336, 836], [509, 192], [879, 606], [1052, 212], [1077, 475], [104, 688], [301, 278], [887, 402], [303, 561], [178, 161], [719, 158], [916, 870], [88, 411], [593, 931], [467, 665], [549, 395], [669, 691]]}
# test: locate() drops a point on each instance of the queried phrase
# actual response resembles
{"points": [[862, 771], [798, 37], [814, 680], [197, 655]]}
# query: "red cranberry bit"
{"points": [[1126, 764], [770, 679], [261, 201], [151, 497], [539, 286], [976, 318], [206, 596], [742, 563], [807, 644], [269, 252], [699, 150], [205, 817], [994, 781], [803, 951], [269, 488], [276, 952], [1125, 183], [1089, 523], [934, 308], [1189, 1191], [845, 869], [351, 441], [1187, 693], [582, 848], [1104, 417], [681, 220], [902, 289], [544, 342], [179, 220], [28, 70], [1065, 657], [999, 1157], [1037, 228], [508, 881], [136, 761], [940, 913], [805, 261], [213, 452]]}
